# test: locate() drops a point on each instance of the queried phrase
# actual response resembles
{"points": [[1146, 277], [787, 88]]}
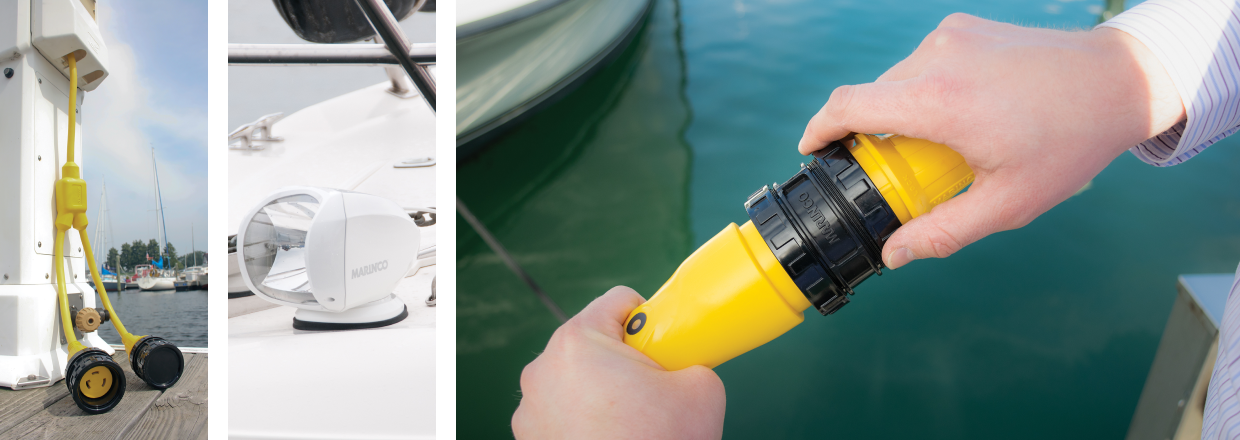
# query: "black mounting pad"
{"points": [[315, 325]]}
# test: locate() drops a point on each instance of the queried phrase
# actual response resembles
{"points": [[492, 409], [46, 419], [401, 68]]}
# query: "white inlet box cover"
{"points": [[61, 27]]}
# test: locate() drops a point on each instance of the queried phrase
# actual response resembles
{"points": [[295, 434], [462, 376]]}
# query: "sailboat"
{"points": [[193, 277], [102, 243], [160, 275]]}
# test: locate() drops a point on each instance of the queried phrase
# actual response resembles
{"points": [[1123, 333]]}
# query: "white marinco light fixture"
{"points": [[334, 255]]}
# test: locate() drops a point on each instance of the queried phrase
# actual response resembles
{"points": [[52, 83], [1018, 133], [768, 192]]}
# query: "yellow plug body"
{"points": [[913, 175], [70, 199], [734, 294]]}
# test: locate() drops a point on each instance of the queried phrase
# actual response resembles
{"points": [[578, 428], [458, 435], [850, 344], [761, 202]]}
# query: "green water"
{"points": [[1047, 331]]}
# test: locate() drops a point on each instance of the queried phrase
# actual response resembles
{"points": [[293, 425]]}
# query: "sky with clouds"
{"points": [[155, 96]]}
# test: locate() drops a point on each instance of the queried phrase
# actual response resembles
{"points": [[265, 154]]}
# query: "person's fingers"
{"points": [[607, 313], [951, 226], [521, 422], [882, 107], [938, 46], [701, 381], [960, 20], [703, 400]]}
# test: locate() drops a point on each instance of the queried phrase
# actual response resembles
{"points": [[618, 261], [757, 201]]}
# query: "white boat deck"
{"points": [[372, 383], [361, 384]]}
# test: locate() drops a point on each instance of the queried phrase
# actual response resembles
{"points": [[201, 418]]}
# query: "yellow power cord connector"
{"points": [[71, 213], [94, 379], [808, 243]]}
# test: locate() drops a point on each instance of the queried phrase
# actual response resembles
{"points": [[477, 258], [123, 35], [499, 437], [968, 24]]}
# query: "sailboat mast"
{"points": [[159, 209], [99, 240]]}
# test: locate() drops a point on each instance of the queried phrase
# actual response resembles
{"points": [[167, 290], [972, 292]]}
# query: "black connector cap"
{"points": [[826, 225]]}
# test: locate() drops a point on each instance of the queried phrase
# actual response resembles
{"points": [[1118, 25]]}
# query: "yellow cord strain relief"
{"points": [[913, 175], [73, 82], [729, 297]]}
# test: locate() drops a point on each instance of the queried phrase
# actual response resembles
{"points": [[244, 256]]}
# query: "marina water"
{"points": [[179, 317], [1047, 331]]}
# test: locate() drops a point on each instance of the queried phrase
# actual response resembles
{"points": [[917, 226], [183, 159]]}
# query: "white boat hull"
{"points": [[161, 283], [108, 284], [506, 70]]}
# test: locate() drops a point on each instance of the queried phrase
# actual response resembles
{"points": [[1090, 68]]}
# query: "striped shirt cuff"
{"points": [[1198, 43]]}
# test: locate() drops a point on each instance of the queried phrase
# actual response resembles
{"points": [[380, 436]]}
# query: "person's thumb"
{"points": [[880, 107], [949, 227], [607, 313]]}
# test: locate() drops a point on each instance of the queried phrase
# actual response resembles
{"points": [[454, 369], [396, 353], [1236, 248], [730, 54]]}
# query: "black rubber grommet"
{"points": [[636, 324], [8, 72], [158, 362], [826, 225], [75, 373], [318, 326]]}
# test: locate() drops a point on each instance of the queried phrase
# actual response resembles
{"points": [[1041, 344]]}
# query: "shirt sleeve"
{"points": [[1198, 42], [1220, 419]]}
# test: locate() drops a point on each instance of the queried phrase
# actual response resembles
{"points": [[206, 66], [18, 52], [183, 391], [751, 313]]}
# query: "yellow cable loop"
{"points": [[74, 345], [128, 339]]}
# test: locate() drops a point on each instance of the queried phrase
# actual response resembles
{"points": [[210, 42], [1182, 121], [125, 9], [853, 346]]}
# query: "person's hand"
{"points": [[1035, 112], [589, 385]]}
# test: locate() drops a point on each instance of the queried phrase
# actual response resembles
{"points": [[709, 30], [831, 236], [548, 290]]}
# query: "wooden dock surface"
{"points": [[180, 412]]}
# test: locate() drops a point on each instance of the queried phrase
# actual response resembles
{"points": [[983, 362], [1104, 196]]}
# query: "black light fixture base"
{"points": [[321, 326]]}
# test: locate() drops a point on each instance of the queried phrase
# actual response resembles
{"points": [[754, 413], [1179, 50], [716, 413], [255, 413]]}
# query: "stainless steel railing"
{"points": [[395, 49]]}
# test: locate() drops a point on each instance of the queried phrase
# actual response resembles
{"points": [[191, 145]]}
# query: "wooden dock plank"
{"points": [[181, 412], [61, 418], [17, 406]]}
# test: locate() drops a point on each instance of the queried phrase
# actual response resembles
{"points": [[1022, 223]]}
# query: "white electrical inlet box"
{"points": [[61, 27]]}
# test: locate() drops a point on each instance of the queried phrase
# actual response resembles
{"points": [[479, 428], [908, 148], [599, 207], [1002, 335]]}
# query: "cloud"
{"points": [[124, 121], [146, 102]]}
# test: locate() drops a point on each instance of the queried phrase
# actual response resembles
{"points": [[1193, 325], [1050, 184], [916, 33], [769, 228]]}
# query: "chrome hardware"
{"points": [[336, 54], [254, 135], [402, 86], [414, 162], [388, 29], [31, 381], [414, 59], [422, 216], [432, 300]]}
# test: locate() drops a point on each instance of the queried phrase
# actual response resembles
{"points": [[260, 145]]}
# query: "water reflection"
{"points": [[588, 194]]}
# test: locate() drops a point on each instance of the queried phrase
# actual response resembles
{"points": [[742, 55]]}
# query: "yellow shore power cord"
{"points": [[95, 381]]}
